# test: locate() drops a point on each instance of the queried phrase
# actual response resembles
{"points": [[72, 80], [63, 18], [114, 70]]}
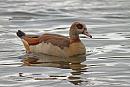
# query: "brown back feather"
{"points": [[57, 40]]}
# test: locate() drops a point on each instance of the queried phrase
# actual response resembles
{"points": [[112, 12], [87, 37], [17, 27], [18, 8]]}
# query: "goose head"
{"points": [[78, 28]]}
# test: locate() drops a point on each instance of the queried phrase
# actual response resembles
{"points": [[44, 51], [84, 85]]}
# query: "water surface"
{"points": [[107, 63]]}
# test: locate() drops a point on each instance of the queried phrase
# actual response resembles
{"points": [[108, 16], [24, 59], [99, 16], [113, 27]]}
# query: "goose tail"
{"points": [[20, 34]]}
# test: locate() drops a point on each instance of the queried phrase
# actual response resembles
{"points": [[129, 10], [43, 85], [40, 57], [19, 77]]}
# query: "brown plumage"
{"points": [[49, 43]]}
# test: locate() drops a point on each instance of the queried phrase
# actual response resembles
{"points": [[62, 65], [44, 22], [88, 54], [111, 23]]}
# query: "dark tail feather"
{"points": [[20, 33]]}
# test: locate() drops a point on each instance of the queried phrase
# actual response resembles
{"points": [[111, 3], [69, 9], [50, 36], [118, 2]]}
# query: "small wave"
{"points": [[20, 18], [22, 13], [117, 17], [112, 36]]}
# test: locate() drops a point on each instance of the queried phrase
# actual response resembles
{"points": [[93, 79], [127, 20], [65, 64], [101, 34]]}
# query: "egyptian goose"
{"points": [[57, 45]]}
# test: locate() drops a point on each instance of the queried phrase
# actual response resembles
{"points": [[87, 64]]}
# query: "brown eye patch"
{"points": [[79, 26]]}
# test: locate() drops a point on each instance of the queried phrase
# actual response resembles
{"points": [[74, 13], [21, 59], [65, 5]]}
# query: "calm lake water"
{"points": [[107, 63]]}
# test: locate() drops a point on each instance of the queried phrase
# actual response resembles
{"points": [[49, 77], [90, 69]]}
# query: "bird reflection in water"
{"points": [[74, 63]]}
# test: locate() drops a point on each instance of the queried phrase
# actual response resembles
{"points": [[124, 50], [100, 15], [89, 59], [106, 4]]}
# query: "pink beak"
{"points": [[87, 34]]}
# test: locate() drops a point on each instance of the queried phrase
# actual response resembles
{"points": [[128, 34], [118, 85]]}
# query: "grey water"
{"points": [[107, 63]]}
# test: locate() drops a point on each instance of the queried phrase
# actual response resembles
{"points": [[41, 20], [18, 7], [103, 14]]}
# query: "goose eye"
{"points": [[79, 26]]}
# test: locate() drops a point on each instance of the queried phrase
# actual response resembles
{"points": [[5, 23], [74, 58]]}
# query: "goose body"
{"points": [[57, 45], [50, 49]]}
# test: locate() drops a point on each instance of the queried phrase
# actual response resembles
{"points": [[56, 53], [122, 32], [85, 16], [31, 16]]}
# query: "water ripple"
{"points": [[106, 63]]}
